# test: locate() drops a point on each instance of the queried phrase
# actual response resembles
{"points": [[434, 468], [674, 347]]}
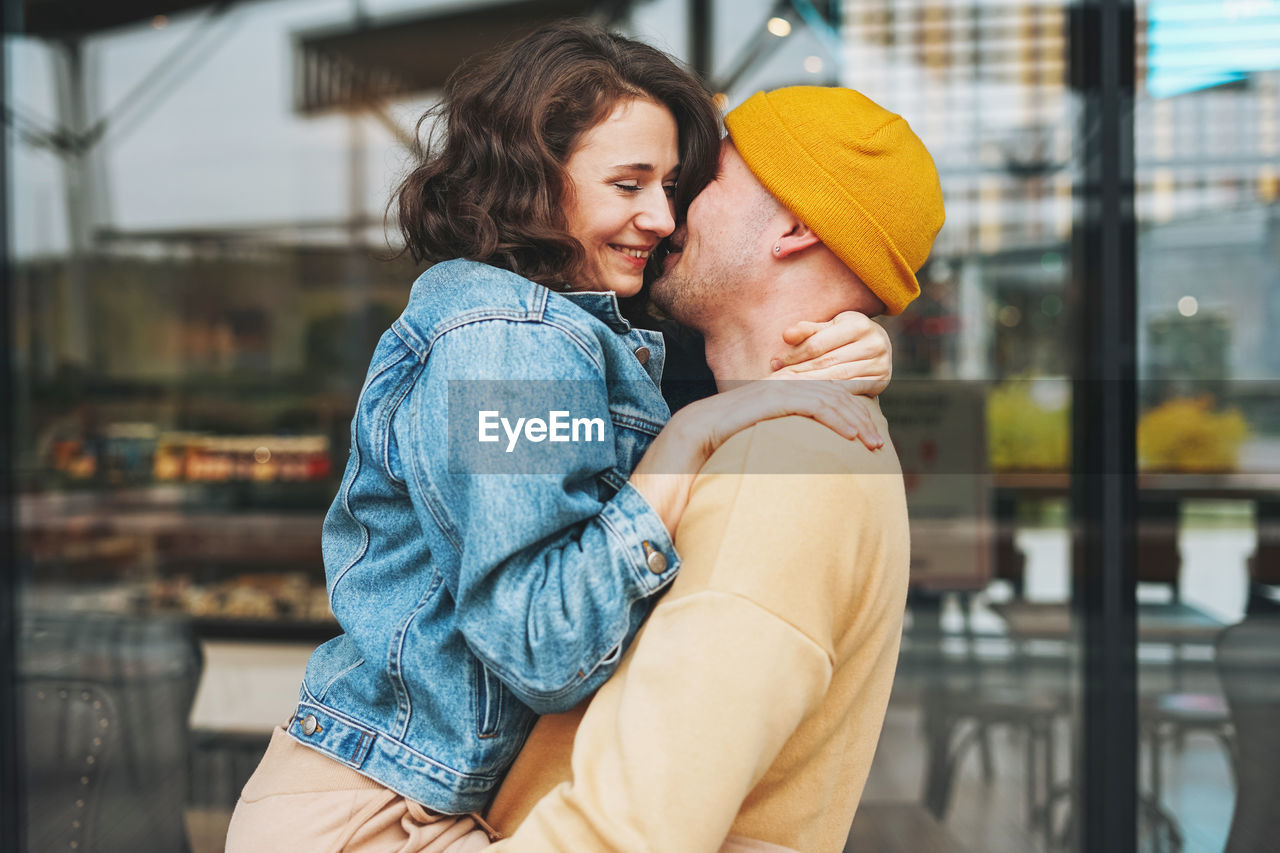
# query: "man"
{"points": [[750, 705]]}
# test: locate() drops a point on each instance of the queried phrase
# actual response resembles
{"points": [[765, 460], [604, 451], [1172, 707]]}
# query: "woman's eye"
{"points": [[670, 190], [630, 188]]}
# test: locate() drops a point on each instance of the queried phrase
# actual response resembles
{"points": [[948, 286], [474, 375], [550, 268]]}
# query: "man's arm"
{"points": [[700, 711], [727, 668]]}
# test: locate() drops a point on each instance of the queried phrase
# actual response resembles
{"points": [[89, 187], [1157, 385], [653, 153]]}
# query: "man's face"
{"points": [[720, 247]]}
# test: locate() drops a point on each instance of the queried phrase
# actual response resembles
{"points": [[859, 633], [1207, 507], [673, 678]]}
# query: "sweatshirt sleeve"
{"points": [[731, 663], [739, 656], [669, 749]]}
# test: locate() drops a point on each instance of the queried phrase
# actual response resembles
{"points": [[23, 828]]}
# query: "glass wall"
{"points": [[1207, 143], [200, 267], [199, 276], [981, 734]]}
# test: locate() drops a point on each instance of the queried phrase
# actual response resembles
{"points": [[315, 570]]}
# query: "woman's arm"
{"points": [[851, 352], [666, 473], [555, 567], [851, 347]]}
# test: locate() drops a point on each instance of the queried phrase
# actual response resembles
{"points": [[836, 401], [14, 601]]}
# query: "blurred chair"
{"points": [[1248, 663], [1170, 717], [1264, 562], [105, 702], [1159, 558], [958, 720], [1010, 563], [221, 764]]}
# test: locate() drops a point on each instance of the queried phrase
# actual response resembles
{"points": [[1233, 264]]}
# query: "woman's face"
{"points": [[623, 175]]}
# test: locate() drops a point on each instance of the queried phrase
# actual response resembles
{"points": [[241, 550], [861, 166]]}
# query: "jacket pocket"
{"points": [[488, 701]]}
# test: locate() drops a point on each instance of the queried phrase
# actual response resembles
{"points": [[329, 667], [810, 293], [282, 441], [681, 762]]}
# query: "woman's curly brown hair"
{"points": [[493, 189]]}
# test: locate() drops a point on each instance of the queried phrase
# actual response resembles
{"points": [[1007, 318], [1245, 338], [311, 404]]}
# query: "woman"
{"points": [[477, 589]]}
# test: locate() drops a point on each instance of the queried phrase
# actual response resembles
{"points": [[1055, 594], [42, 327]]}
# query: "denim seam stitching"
{"points": [[439, 512], [617, 323], [393, 665], [324, 691], [346, 506], [633, 422], [485, 728], [544, 695], [466, 319], [477, 706], [404, 332], [355, 475], [427, 491], [402, 393], [397, 677], [632, 562], [350, 721]]}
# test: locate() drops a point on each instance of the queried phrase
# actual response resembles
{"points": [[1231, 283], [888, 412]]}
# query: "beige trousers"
{"points": [[299, 800], [303, 802]]}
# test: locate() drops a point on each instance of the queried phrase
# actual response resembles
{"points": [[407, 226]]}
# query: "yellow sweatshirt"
{"points": [[751, 702]]}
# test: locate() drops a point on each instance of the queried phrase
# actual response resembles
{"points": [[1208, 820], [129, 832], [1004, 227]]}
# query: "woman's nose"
{"points": [[657, 214]]}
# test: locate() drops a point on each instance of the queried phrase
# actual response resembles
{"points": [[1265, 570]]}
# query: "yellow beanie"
{"points": [[853, 172]]}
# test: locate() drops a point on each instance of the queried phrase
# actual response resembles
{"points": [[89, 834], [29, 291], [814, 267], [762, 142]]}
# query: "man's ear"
{"points": [[797, 239]]}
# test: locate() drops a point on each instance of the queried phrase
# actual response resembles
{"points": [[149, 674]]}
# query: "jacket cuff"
{"points": [[642, 537]]}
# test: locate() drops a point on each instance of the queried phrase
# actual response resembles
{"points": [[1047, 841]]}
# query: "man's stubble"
{"points": [[691, 296]]}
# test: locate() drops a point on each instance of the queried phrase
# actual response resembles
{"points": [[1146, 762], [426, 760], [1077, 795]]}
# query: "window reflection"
{"points": [[199, 281], [1206, 205]]}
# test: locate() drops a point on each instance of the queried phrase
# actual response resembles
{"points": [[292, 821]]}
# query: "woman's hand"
{"points": [[851, 347], [665, 473]]}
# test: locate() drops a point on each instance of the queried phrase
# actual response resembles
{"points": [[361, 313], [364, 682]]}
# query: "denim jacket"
{"points": [[476, 587]]}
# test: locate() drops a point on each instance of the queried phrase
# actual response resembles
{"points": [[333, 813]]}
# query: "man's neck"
{"points": [[737, 355], [740, 348]]}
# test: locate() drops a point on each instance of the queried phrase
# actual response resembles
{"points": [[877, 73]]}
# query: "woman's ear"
{"points": [[797, 239]]}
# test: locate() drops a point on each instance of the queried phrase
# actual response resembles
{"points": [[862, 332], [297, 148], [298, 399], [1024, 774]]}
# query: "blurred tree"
{"points": [[1187, 435]]}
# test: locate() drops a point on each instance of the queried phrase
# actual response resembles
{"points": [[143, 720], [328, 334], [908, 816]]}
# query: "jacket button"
{"points": [[310, 725], [642, 355], [655, 559]]}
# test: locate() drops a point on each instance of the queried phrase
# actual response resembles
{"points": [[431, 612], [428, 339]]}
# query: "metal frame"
{"points": [[1104, 428], [75, 18], [12, 804], [360, 64], [700, 29]]}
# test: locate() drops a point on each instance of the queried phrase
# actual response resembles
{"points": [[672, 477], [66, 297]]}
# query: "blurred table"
{"points": [[159, 525], [1169, 623], [1172, 624], [1239, 485]]}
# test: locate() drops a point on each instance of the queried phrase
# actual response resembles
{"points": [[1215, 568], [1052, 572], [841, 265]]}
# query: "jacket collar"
{"points": [[601, 304]]}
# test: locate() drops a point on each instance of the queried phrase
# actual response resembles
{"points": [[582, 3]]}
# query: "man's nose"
{"points": [[657, 214]]}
